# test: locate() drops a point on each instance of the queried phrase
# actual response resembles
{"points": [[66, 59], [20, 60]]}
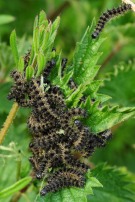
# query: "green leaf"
{"points": [[42, 18], [101, 116], [44, 34], [75, 97], [36, 40], [35, 23], [55, 24], [86, 57], [118, 185], [52, 28], [45, 40], [13, 45], [4, 19], [104, 117], [29, 72], [41, 62], [15, 187], [93, 87], [64, 84], [21, 64], [73, 194]]}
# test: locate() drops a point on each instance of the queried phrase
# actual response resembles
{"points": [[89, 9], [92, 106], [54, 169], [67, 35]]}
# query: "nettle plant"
{"points": [[69, 119]]}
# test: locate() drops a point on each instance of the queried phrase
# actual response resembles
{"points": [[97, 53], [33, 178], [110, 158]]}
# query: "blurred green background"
{"points": [[76, 15]]}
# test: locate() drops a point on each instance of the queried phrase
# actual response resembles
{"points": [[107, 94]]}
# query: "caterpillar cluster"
{"points": [[57, 132], [105, 17]]}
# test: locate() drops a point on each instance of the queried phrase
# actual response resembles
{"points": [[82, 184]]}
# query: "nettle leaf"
{"points": [[104, 117], [29, 72], [43, 18], [21, 64], [92, 91], [118, 185], [86, 57], [75, 97], [101, 115], [41, 63], [57, 78], [36, 40], [64, 83], [119, 85], [44, 34], [73, 194]]}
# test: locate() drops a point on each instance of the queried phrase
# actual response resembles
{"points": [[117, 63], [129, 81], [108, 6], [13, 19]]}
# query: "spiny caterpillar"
{"points": [[108, 16], [57, 132], [64, 178]]}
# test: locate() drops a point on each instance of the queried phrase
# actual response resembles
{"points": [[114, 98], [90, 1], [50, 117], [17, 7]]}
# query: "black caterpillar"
{"points": [[108, 16], [64, 178], [57, 132]]}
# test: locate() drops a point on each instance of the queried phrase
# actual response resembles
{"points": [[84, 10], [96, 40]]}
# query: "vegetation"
{"points": [[103, 70]]}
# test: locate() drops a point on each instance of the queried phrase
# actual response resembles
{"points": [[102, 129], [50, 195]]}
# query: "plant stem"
{"points": [[8, 121]]}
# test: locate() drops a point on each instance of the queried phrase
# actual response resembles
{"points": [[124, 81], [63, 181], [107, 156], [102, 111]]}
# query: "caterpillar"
{"points": [[71, 161], [38, 95], [93, 141], [80, 142], [65, 171], [57, 132], [36, 126], [26, 60], [49, 66], [63, 63], [18, 90], [43, 168], [56, 100], [64, 178], [34, 163], [105, 17], [72, 84], [45, 141], [64, 151], [72, 113]]}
